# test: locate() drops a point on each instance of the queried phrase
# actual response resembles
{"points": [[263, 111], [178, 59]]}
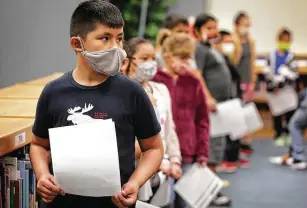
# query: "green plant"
{"points": [[131, 10]]}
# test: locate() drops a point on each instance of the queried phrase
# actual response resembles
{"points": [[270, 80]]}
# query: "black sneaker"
{"points": [[221, 201]]}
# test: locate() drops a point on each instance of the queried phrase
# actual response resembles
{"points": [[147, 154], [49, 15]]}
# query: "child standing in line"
{"points": [[188, 102], [96, 36], [217, 84]]}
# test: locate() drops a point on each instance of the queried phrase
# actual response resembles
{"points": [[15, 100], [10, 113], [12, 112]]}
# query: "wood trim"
{"points": [[10, 129], [44, 80], [298, 56], [21, 91], [301, 70]]}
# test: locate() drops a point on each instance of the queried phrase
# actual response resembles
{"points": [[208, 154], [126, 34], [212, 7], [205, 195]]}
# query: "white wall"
{"points": [[267, 17], [34, 39]]}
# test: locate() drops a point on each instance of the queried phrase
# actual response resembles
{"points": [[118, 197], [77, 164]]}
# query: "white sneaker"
{"points": [[279, 160], [299, 165], [276, 160], [289, 161]]}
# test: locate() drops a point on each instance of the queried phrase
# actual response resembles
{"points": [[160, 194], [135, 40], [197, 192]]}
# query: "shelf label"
{"points": [[20, 139]]}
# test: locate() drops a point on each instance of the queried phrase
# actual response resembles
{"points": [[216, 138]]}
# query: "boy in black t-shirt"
{"points": [[96, 90]]}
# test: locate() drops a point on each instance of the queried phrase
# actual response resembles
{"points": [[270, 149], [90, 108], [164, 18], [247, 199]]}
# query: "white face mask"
{"points": [[146, 71], [106, 62], [228, 48]]}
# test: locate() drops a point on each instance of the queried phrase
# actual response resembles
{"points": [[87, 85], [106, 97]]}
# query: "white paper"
{"points": [[145, 192], [286, 72], [233, 116], [218, 126], [284, 101], [85, 158], [162, 197], [199, 186], [252, 118], [140, 204]]}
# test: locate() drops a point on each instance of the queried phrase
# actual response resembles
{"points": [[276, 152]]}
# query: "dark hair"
{"points": [[284, 32], [203, 19], [89, 13], [239, 17], [174, 20], [126, 48], [224, 33], [133, 44]]}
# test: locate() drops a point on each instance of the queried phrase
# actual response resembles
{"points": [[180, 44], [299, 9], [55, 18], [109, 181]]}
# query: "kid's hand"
{"points": [[128, 196]]}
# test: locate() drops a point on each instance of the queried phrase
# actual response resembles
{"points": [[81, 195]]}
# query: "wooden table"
{"points": [[21, 91], [14, 133], [45, 80], [13, 108]]}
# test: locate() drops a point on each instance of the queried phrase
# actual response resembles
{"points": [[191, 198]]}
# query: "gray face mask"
{"points": [[106, 62]]}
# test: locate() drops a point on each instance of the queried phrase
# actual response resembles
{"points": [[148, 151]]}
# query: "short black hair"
{"points": [[203, 19], [174, 20], [133, 43], [90, 12], [224, 33], [284, 32], [240, 15]]}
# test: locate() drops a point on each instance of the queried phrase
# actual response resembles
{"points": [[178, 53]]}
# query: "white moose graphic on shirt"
{"points": [[78, 117]]}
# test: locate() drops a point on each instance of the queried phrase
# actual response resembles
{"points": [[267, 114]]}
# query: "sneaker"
{"points": [[244, 163], [285, 159], [288, 139], [299, 165], [280, 141], [226, 167], [226, 183], [246, 150], [221, 201]]}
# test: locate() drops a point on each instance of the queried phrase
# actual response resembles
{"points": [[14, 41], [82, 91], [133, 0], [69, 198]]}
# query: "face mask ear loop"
{"points": [[81, 43]]}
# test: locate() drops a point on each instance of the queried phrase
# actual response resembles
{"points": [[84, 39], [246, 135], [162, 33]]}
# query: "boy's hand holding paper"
{"points": [[128, 196], [48, 189], [85, 160]]}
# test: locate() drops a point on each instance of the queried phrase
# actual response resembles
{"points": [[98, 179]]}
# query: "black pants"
{"points": [[232, 150], [278, 123], [73, 201]]}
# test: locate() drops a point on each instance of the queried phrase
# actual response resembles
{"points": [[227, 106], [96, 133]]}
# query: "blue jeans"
{"points": [[178, 201], [297, 125]]}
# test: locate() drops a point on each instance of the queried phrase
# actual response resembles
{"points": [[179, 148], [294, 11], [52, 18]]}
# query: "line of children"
{"points": [[164, 108]]}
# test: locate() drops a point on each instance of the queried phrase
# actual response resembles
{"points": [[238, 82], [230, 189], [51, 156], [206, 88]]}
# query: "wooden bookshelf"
{"points": [[21, 91], [18, 108], [44, 80], [17, 111], [14, 133]]}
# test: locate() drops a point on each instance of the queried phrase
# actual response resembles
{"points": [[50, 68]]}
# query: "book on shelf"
{"points": [[17, 184]]}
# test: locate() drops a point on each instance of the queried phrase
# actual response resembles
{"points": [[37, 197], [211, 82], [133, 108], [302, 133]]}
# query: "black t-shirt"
{"points": [[64, 102]]}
